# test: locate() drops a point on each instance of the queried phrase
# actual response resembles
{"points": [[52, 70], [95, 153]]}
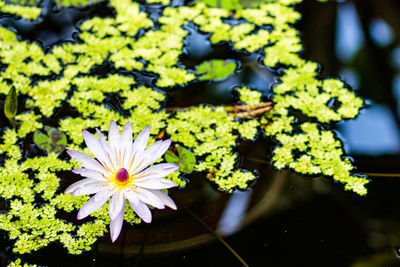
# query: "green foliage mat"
{"points": [[61, 80]]}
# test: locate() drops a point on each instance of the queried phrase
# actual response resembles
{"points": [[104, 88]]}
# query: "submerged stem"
{"points": [[212, 231], [240, 111], [253, 112], [258, 160], [248, 107], [139, 256], [377, 174], [380, 174]]}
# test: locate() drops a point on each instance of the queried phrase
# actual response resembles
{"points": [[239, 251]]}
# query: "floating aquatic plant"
{"points": [[53, 141], [185, 159], [132, 41], [18, 263], [26, 12], [216, 69]]}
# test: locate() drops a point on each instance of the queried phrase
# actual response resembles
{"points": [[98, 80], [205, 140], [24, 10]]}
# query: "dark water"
{"points": [[289, 220]]}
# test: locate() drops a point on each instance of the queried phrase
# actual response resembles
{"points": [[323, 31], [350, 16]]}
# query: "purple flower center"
{"points": [[122, 175]]}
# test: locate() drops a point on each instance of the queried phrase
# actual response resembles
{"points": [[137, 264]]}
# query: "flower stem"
{"points": [[240, 111], [258, 160], [139, 256], [377, 174], [212, 231]]}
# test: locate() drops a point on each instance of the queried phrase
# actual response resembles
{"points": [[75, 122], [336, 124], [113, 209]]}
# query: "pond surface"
{"points": [[284, 219]]}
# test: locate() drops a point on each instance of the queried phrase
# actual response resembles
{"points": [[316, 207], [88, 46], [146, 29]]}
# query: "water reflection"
{"points": [[362, 38], [381, 32], [396, 91], [351, 77], [396, 57], [349, 36], [234, 212], [198, 44]]}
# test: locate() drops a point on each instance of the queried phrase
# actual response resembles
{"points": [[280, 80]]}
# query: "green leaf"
{"points": [[231, 4], [41, 140], [170, 157], [216, 69], [212, 3], [186, 159], [11, 104], [53, 141]]}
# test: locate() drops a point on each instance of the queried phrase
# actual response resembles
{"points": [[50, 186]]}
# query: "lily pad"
{"points": [[11, 104], [185, 159], [53, 141], [216, 69]]}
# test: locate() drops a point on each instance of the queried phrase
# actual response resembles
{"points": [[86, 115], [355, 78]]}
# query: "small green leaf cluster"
{"points": [[309, 149], [75, 3], [26, 12], [248, 96], [209, 132], [324, 101], [242, 4], [18, 263], [164, 2]]}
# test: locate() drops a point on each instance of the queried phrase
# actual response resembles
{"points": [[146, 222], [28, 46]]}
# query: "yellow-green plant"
{"points": [[132, 42]]}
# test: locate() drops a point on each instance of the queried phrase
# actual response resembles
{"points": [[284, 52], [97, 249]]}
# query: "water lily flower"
{"points": [[121, 172]]}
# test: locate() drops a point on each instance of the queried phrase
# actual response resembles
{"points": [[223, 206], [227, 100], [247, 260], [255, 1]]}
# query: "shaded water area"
{"points": [[284, 219]]}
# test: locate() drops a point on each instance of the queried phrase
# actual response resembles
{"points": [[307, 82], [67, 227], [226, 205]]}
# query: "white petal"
{"points": [[153, 148], [142, 211], [116, 224], [157, 149], [154, 183], [164, 198], [94, 203], [162, 149], [109, 153], [161, 170], [102, 141], [116, 204], [94, 146], [76, 185], [141, 142], [131, 196], [126, 143], [88, 189], [147, 197], [86, 161], [113, 136], [94, 175], [154, 152]]}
